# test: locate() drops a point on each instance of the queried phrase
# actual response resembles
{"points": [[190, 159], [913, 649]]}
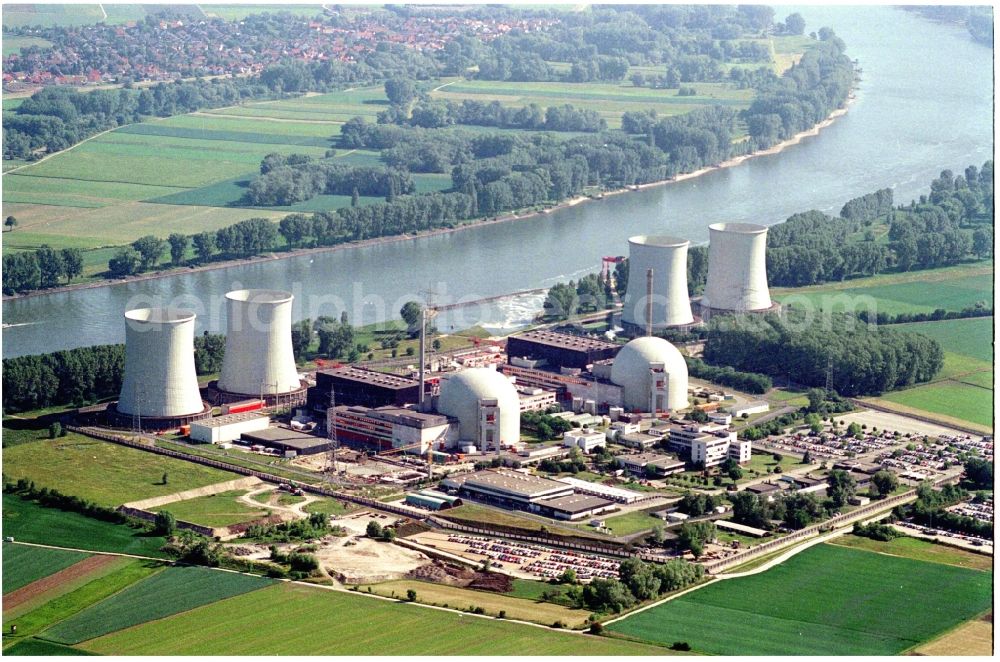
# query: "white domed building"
{"points": [[486, 405], [652, 374]]}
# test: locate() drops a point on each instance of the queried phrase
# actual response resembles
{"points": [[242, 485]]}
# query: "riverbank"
{"points": [[299, 252]]}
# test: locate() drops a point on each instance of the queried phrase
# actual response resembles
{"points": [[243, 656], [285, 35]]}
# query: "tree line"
{"points": [[862, 359], [749, 382], [41, 268], [289, 184]]}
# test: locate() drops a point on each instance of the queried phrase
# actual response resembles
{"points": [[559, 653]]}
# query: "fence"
{"points": [[181, 524]]}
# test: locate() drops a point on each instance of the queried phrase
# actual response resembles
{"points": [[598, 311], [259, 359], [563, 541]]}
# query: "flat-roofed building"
{"points": [[285, 441], [616, 494], [575, 507], [222, 429], [510, 489], [358, 386], [532, 398], [385, 428], [708, 445], [585, 440], [561, 350], [639, 440], [750, 408], [656, 464]]}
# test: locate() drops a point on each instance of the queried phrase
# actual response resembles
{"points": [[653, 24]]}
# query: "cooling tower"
{"points": [[667, 257], [259, 358], [737, 273], [160, 381]]}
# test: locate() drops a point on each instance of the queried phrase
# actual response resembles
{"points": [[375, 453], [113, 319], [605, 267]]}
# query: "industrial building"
{"points": [[645, 464], [358, 386], [387, 428], [432, 500], [560, 350], [750, 408], [535, 399], [639, 440], [670, 304], [160, 386], [518, 491], [229, 427], [737, 269], [259, 361], [616, 494], [652, 374], [486, 406], [708, 445], [585, 440], [286, 441]]}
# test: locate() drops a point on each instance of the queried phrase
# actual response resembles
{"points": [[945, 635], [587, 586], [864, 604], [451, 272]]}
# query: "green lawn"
{"points": [[950, 398], [634, 522], [216, 510], [827, 600], [303, 620], [329, 507], [920, 550], [106, 473], [177, 589], [27, 521], [23, 564], [64, 606], [968, 337]]}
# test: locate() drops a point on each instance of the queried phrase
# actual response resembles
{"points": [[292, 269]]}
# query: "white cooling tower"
{"points": [[465, 394], [667, 257], [653, 375], [160, 381], [259, 357], [737, 268]]}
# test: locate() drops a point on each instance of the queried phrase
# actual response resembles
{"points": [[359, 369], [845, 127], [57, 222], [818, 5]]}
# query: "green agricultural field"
{"points": [[37, 647], [217, 510], [63, 606], [920, 550], [27, 521], [968, 337], [544, 613], [105, 473], [949, 398], [827, 600], [175, 590], [239, 12], [210, 122], [303, 620], [952, 288], [23, 564], [17, 15], [15, 44], [29, 188]]}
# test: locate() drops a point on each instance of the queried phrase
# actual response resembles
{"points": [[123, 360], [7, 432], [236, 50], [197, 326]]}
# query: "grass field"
{"points": [[967, 337], [518, 608], [15, 44], [951, 288], [476, 514], [49, 15], [38, 647], [216, 510], [920, 550], [177, 589], [950, 398], [64, 606], [304, 620], [827, 600], [27, 521], [23, 565], [105, 473], [629, 523]]}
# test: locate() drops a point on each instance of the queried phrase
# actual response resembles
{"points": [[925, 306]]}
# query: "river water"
{"points": [[925, 104]]}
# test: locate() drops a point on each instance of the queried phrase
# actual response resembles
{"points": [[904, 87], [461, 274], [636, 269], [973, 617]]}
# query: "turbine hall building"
{"points": [[365, 388], [560, 350]]}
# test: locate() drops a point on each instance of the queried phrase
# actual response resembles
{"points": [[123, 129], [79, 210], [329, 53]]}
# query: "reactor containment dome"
{"points": [[160, 380], [259, 360], [671, 304], [486, 405], [737, 268], [652, 374]]}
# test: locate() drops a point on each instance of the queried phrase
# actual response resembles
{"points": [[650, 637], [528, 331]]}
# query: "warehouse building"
{"points": [[518, 491], [286, 441], [616, 494], [385, 428], [560, 350], [357, 386], [222, 429]]}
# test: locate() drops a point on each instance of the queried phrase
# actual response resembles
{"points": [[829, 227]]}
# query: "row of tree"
{"points": [[749, 382], [639, 581], [289, 184], [860, 359], [437, 114], [41, 268]]}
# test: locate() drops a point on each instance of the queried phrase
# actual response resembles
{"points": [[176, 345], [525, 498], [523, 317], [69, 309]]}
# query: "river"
{"points": [[925, 104]]}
